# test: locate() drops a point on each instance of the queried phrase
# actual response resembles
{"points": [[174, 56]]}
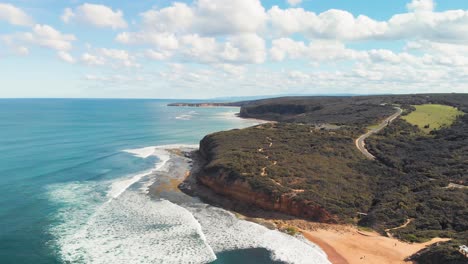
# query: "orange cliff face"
{"points": [[241, 191]]}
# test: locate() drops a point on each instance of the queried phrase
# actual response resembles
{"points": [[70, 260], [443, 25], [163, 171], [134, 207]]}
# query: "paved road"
{"points": [[360, 142]]}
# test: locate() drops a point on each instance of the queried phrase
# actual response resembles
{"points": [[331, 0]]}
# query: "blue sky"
{"points": [[213, 48]]}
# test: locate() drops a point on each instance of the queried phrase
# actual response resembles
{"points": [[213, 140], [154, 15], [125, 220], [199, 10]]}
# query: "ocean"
{"points": [[74, 181]]}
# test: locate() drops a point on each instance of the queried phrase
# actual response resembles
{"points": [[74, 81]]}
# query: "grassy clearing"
{"points": [[432, 116], [372, 127]]}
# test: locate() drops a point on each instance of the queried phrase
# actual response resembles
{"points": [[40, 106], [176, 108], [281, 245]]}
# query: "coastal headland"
{"points": [[306, 174]]}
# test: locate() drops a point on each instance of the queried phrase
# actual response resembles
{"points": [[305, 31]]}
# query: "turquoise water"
{"points": [[60, 159]]}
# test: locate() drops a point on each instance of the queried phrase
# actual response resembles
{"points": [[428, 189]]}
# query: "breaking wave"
{"points": [[114, 222]]}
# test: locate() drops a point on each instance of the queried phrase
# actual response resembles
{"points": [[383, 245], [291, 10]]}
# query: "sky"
{"points": [[222, 48]]}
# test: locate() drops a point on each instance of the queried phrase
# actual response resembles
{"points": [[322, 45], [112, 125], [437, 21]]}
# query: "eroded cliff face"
{"points": [[239, 189]]}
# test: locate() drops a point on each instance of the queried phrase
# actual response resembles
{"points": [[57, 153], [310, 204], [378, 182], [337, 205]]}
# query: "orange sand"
{"points": [[344, 244]]}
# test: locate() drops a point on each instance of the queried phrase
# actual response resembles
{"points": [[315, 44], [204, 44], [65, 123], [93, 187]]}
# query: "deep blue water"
{"points": [[58, 158]]}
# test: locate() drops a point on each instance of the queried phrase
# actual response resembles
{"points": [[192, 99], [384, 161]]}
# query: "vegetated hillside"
{"points": [[334, 110], [355, 110], [298, 168], [292, 163], [426, 165]]}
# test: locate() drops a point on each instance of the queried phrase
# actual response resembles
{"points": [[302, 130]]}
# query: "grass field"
{"points": [[432, 116]]}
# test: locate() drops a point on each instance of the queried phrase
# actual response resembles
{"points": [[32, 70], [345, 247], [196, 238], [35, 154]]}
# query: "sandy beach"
{"points": [[346, 244]]}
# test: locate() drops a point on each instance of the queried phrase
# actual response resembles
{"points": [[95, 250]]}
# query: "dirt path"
{"points": [[398, 227], [360, 142]]}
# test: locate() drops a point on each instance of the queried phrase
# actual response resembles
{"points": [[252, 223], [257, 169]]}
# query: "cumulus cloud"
{"points": [[100, 16], [176, 18], [14, 15], [220, 17], [155, 55], [317, 51], [47, 36], [420, 23], [112, 57], [194, 31], [294, 2], [421, 5], [92, 60], [244, 48], [205, 42], [67, 15], [41, 35], [65, 56], [331, 24], [164, 41]]}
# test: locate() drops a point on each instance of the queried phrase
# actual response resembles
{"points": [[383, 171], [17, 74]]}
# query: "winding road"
{"points": [[360, 142]]}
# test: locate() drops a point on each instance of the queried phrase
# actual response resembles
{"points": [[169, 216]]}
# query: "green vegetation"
{"points": [[430, 117], [322, 167], [319, 110], [318, 166], [372, 127], [365, 229], [291, 230]]}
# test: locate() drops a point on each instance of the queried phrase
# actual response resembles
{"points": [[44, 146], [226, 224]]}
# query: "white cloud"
{"points": [[164, 41], [65, 56], [155, 55], [294, 2], [67, 15], [420, 23], [22, 50], [41, 35], [234, 70], [244, 48], [421, 5], [47, 36], [221, 17], [92, 60], [298, 75], [324, 51], [176, 18], [14, 15], [331, 24], [115, 54], [112, 57], [96, 15], [193, 32]]}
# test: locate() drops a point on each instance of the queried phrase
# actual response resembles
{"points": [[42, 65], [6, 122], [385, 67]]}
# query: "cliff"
{"points": [[315, 172], [240, 190], [254, 171]]}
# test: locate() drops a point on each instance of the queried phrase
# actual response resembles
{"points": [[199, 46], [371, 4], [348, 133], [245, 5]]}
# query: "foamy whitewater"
{"points": [[81, 179], [130, 227]]}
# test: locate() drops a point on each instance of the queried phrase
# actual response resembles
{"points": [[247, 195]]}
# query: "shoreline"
{"points": [[343, 244]]}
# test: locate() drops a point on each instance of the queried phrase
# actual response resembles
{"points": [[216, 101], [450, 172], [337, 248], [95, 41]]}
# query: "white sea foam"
{"points": [[225, 232], [141, 152], [131, 228], [184, 117], [118, 187], [134, 229], [187, 116]]}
